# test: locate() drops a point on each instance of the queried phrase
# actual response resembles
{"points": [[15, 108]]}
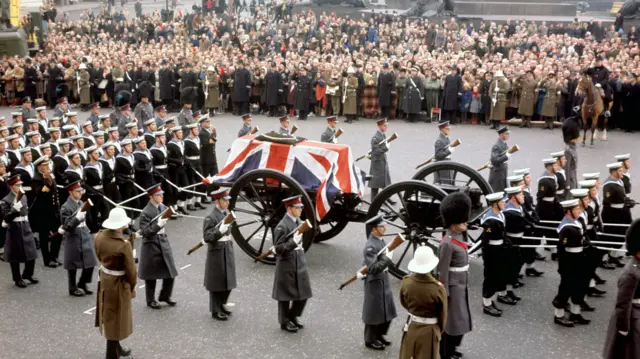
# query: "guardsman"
{"points": [[563, 186], [571, 136], [161, 170], [453, 272], [528, 256], [149, 129], [94, 117], [246, 125], [46, 212], [193, 166], [571, 264], [220, 268], [498, 91], [626, 176], [108, 161], [161, 114], [207, 150], [20, 246], [499, 158], [494, 253], [616, 208], [117, 279], [548, 207], [622, 335], [177, 167], [425, 300], [142, 167], [291, 285], [284, 126], [329, 135], [156, 258], [125, 173], [443, 152], [379, 170], [95, 190], [79, 249], [350, 96], [379, 308]]}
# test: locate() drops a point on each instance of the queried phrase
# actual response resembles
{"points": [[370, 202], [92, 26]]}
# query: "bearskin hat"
{"points": [[570, 129], [122, 98], [189, 96], [144, 89], [455, 208], [632, 237]]}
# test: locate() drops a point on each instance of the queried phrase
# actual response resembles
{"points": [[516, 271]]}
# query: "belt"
{"points": [[26, 188], [97, 187], [130, 176], [574, 249], [560, 192], [161, 167], [224, 239], [635, 301], [516, 235], [20, 219], [423, 320], [613, 205], [496, 242], [193, 157], [548, 199], [115, 273], [82, 224], [589, 226], [459, 269]]}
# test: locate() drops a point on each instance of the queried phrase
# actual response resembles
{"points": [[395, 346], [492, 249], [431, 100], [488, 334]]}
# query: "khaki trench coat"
{"points": [[551, 98], [113, 304], [212, 90], [528, 98], [499, 108], [84, 82], [350, 106]]}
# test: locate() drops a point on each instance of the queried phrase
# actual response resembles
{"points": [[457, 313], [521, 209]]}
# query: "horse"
{"points": [[592, 107]]}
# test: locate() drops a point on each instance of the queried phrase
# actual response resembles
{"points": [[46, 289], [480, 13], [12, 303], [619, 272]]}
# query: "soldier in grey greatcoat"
{"points": [[220, 268], [144, 109], [19, 246], [453, 272], [246, 125], [284, 126], [571, 136], [379, 308], [291, 284], [156, 258], [623, 340], [329, 135], [499, 158], [443, 152], [379, 170], [79, 249]]}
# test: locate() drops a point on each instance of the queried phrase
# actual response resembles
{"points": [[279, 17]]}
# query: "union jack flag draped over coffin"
{"points": [[325, 168]]}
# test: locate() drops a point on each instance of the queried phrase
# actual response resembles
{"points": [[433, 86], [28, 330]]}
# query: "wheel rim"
{"points": [[415, 215], [256, 199], [330, 229]]}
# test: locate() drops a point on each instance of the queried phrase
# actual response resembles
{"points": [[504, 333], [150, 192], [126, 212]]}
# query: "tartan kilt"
{"points": [[370, 101]]}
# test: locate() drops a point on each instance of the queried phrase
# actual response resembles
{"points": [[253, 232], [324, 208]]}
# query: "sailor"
{"points": [[515, 225], [18, 129], [527, 256], [87, 134], [616, 208], [104, 123], [329, 135], [178, 167], [95, 190], [207, 150], [193, 166], [284, 126], [291, 285], [45, 211], [113, 136], [79, 249], [149, 129], [571, 265], [94, 118], [626, 176], [220, 267], [548, 207], [125, 174], [379, 170], [26, 170], [78, 146], [61, 162], [246, 125], [72, 120], [156, 258], [161, 170], [132, 130], [563, 186], [13, 152], [494, 255], [43, 122], [54, 136], [499, 157], [443, 152], [98, 140], [108, 161], [143, 167], [529, 204], [20, 246], [453, 272], [169, 123], [379, 308]]}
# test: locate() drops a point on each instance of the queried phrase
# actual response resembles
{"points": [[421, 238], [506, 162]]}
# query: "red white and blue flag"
{"points": [[325, 168]]}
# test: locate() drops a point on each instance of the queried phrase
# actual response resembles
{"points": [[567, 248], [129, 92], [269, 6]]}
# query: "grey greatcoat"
{"points": [[386, 87], [291, 281], [571, 168], [453, 254], [498, 173], [79, 249], [625, 317], [156, 258], [379, 170], [413, 95], [378, 307], [328, 135], [220, 268], [443, 153], [245, 130], [19, 246], [452, 87]]}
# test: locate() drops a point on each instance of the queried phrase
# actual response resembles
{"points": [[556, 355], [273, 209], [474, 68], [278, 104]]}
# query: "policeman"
{"points": [[379, 170], [443, 152], [494, 255], [499, 157], [571, 265], [220, 268], [548, 207], [246, 125], [329, 135], [616, 207], [563, 186]]}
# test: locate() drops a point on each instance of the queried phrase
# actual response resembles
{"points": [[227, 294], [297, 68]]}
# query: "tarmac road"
{"points": [[44, 322]]}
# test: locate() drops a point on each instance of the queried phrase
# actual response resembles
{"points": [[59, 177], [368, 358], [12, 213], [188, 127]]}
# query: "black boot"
{"points": [[191, 207], [375, 345], [599, 280], [579, 319], [513, 295], [491, 310], [220, 316], [595, 292], [532, 272], [585, 307], [506, 299], [607, 265], [200, 206], [563, 321], [289, 327]]}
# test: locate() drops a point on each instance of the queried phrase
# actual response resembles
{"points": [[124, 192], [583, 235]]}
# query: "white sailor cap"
{"points": [[175, 129], [14, 114], [91, 148], [549, 161], [522, 171], [72, 153], [41, 108], [25, 150], [495, 197], [557, 154], [192, 125], [579, 192], [131, 124], [203, 118], [126, 141], [16, 125], [623, 157], [138, 139], [98, 134], [170, 120], [513, 190], [102, 117], [107, 144], [112, 129], [68, 127], [12, 137], [515, 179], [569, 203], [76, 137], [42, 159], [587, 183], [71, 114], [32, 120], [4, 128], [32, 133], [45, 145], [57, 118], [159, 133], [615, 165], [593, 176], [53, 129], [149, 121], [87, 123], [64, 141]]}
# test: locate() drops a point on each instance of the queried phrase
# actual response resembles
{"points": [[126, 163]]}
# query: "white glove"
{"points": [[335, 140], [297, 238], [389, 254], [623, 333], [451, 149], [508, 156], [17, 206], [368, 156], [388, 145], [223, 228], [5, 224], [81, 216], [360, 275], [161, 222]]}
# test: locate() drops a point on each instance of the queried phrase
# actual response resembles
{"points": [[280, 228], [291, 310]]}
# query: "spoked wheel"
{"points": [[256, 199], [329, 229], [415, 214]]}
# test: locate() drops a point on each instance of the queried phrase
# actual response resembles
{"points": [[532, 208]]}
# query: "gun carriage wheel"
{"points": [[256, 199]]}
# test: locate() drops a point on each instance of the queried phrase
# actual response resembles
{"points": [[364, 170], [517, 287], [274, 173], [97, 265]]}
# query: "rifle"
{"points": [[513, 149], [385, 141], [344, 90], [254, 130], [397, 241], [85, 207], [227, 220], [454, 144], [305, 226], [19, 195], [294, 129], [337, 134]]}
